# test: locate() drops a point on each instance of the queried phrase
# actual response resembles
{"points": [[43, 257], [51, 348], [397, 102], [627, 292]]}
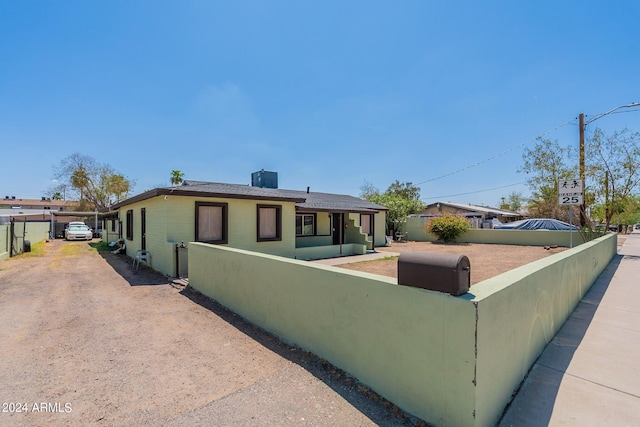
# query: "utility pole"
{"points": [[583, 207], [583, 126]]}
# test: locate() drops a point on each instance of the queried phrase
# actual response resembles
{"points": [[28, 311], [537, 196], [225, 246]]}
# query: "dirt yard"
{"points": [[486, 260], [87, 341]]}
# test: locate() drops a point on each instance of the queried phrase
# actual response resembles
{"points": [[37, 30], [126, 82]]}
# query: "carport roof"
{"points": [[305, 201]]}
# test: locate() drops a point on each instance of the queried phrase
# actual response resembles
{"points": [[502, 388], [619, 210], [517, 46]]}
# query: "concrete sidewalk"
{"points": [[589, 374]]}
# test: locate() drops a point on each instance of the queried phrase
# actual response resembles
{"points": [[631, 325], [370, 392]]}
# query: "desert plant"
{"points": [[447, 227]]}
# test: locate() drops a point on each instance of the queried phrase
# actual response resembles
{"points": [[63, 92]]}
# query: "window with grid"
{"points": [[211, 222], [305, 225], [269, 223]]}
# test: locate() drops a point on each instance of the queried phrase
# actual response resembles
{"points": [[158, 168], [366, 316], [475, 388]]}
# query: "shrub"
{"points": [[447, 227]]}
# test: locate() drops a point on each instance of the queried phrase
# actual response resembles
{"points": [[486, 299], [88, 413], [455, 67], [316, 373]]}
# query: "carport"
{"points": [[55, 214]]}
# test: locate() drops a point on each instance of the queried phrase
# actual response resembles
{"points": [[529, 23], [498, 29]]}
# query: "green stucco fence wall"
{"points": [[414, 227], [452, 361], [4, 241], [331, 251], [520, 311], [34, 232]]}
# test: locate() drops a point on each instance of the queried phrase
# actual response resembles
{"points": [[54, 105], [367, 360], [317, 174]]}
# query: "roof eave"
{"points": [[179, 192]]}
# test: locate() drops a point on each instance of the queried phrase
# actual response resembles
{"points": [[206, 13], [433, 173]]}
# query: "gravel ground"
{"points": [[486, 260], [86, 341]]}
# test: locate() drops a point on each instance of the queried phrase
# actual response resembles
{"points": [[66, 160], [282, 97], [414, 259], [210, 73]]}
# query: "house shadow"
{"points": [[379, 410], [535, 398], [144, 276]]}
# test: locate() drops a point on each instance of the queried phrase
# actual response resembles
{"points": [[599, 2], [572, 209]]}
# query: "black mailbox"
{"points": [[437, 272]]}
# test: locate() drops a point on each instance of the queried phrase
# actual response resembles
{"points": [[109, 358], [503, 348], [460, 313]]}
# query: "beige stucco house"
{"points": [[477, 215], [288, 223]]}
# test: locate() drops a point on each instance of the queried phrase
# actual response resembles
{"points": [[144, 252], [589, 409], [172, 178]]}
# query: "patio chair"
{"points": [[141, 255]]}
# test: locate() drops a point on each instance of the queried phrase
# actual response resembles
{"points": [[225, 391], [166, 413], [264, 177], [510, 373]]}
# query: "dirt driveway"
{"points": [[486, 260], [85, 341]]}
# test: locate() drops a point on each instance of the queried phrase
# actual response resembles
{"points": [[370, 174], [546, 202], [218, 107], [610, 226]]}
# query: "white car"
{"points": [[78, 231]]}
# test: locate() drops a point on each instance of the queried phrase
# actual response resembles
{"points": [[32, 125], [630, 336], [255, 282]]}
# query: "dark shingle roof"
{"points": [[304, 201], [334, 202]]}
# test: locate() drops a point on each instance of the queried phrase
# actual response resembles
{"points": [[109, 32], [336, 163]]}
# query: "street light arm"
{"points": [[633, 104]]}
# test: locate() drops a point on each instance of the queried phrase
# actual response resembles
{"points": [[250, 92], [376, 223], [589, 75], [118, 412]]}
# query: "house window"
{"points": [[305, 225], [365, 223], [269, 223], [130, 224], [211, 222]]}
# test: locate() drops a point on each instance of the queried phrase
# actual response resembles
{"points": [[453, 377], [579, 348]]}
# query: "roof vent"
{"points": [[264, 179]]}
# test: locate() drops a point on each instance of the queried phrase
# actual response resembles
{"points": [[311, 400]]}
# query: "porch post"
{"points": [[373, 231]]}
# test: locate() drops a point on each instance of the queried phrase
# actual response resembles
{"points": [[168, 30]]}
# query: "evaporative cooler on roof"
{"points": [[264, 179]]}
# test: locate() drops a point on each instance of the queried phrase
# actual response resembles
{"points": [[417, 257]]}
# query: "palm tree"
{"points": [[176, 177]]}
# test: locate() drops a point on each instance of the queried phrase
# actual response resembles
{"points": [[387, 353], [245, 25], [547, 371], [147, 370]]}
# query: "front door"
{"points": [[338, 235], [143, 228]]}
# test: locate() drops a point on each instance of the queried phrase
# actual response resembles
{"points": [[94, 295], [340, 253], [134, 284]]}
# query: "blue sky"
{"points": [[329, 94]]}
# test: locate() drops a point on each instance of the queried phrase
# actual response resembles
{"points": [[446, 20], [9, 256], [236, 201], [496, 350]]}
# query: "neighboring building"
{"points": [[289, 223], [32, 209], [477, 215], [43, 204]]}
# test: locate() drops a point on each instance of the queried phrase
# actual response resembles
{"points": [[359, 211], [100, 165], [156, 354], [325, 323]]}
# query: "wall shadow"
{"points": [[376, 408], [379, 410], [144, 276], [533, 405]]}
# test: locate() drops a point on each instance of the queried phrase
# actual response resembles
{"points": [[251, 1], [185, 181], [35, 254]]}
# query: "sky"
{"points": [[332, 95]]}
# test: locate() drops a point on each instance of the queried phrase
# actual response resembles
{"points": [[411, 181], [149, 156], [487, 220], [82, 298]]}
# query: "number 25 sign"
{"points": [[570, 192]]}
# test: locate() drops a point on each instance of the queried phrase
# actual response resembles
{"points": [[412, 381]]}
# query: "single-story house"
{"points": [[289, 223], [477, 215]]}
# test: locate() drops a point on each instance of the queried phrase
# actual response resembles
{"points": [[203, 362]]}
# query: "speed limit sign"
{"points": [[570, 192]]}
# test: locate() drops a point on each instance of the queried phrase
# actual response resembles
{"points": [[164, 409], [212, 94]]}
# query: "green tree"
{"points": [[513, 202], [406, 190], [402, 200], [631, 214], [628, 212], [176, 177], [96, 186], [612, 171], [544, 165]]}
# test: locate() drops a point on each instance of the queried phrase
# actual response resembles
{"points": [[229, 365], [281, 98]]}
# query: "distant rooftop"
{"points": [[11, 201], [484, 209]]}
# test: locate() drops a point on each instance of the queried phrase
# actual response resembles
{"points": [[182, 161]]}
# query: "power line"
{"points": [[474, 192], [594, 117], [497, 155]]}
